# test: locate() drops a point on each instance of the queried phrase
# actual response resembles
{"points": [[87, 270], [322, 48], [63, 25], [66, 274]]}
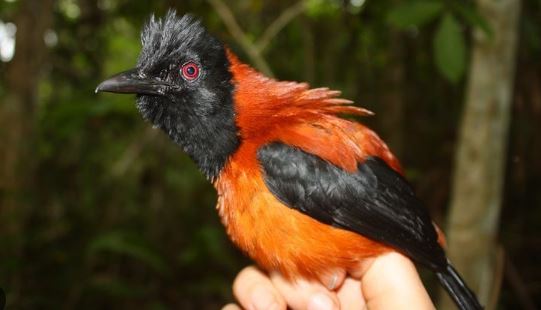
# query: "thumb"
{"points": [[390, 281]]}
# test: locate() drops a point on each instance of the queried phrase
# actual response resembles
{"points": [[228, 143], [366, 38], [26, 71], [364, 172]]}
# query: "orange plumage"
{"points": [[277, 237]]}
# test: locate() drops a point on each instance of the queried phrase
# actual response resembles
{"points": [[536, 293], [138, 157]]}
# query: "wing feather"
{"points": [[374, 201]]}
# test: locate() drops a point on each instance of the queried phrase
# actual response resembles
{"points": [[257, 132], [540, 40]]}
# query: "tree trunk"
{"points": [[480, 159], [17, 116]]}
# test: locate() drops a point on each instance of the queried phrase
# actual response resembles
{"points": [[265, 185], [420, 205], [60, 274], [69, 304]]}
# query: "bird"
{"points": [[301, 190]]}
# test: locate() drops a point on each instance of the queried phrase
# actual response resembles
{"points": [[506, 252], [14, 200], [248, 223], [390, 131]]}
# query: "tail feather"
{"points": [[464, 298]]}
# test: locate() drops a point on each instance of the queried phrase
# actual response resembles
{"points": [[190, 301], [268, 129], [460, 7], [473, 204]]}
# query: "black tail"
{"points": [[464, 298]]}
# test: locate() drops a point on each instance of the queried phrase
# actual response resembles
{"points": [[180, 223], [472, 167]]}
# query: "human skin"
{"points": [[389, 281]]}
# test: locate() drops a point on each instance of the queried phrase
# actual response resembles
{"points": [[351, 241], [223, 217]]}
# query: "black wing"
{"points": [[375, 201]]}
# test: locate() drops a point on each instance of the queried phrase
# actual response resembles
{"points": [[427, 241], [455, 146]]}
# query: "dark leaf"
{"points": [[414, 13], [450, 49]]}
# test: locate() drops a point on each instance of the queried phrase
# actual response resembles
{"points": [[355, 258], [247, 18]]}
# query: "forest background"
{"points": [[100, 210]]}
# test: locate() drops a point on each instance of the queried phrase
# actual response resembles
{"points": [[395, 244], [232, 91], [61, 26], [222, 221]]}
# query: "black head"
{"points": [[184, 87]]}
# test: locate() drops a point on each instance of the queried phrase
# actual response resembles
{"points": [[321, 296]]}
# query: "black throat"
{"points": [[209, 140], [208, 135]]}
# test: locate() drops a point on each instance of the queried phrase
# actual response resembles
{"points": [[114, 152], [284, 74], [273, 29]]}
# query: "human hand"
{"points": [[389, 281]]}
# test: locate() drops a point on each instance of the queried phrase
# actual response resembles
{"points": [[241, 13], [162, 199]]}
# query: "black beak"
{"points": [[131, 82]]}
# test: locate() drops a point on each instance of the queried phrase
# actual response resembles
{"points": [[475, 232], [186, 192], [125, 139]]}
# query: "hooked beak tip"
{"points": [[108, 85]]}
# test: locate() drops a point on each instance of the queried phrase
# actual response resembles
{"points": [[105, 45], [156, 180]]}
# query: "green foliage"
{"points": [[128, 244], [472, 17], [414, 13], [116, 287], [119, 218], [69, 8], [450, 48], [321, 8], [531, 31]]}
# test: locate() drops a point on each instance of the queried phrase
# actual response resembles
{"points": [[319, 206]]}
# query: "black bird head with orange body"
{"points": [[332, 185]]}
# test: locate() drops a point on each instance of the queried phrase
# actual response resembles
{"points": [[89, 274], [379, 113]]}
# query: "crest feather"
{"points": [[165, 37]]}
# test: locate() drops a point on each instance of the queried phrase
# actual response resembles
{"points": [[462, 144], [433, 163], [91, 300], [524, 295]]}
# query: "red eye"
{"points": [[190, 71]]}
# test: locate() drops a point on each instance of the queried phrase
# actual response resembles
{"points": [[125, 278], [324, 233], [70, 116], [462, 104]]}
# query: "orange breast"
{"points": [[278, 237]]}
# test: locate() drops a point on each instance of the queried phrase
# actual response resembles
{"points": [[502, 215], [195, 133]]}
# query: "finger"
{"points": [[254, 290], [332, 280], [231, 307], [391, 281], [302, 294], [350, 296]]}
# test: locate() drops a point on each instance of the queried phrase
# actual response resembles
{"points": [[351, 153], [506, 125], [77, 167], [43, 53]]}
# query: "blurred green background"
{"points": [[99, 210]]}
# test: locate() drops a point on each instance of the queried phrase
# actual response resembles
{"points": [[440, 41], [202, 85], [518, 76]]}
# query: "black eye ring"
{"points": [[190, 71]]}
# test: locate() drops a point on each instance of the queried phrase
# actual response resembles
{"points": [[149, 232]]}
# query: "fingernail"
{"points": [[262, 299], [332, 284], [320, 301]]}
